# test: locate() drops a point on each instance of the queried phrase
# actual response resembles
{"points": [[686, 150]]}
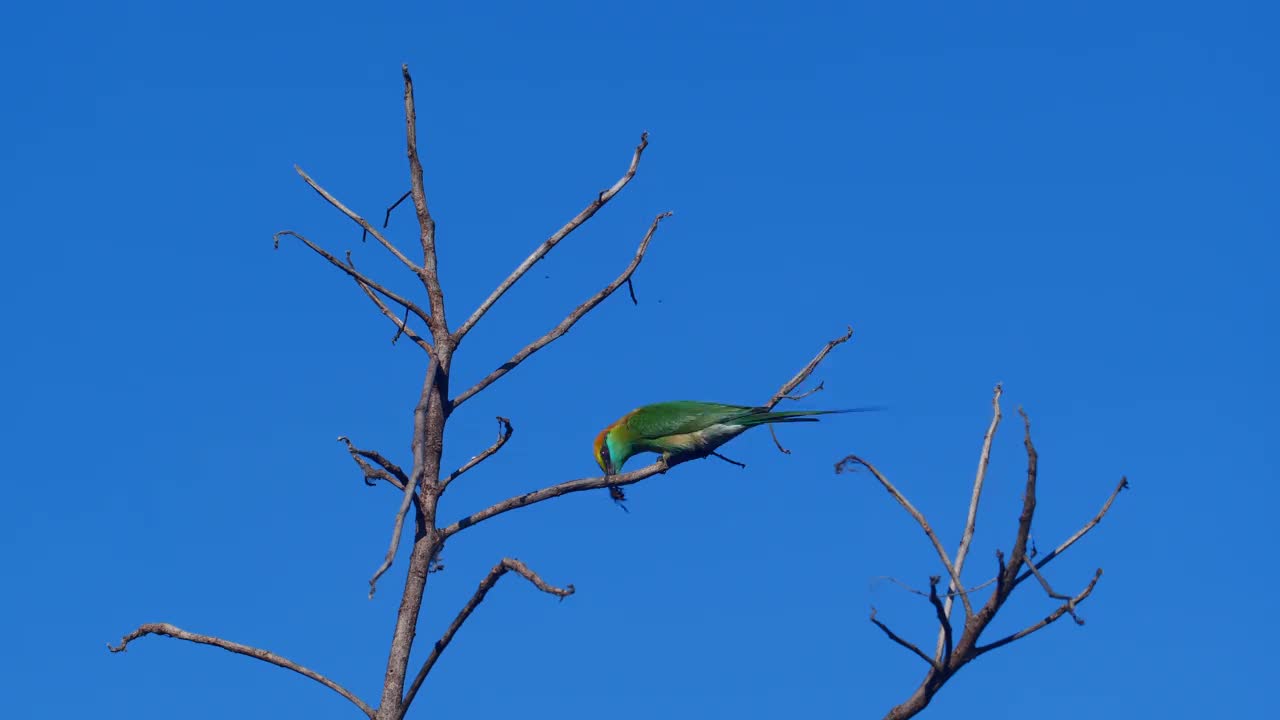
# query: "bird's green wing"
{"points": [[681, 416]]}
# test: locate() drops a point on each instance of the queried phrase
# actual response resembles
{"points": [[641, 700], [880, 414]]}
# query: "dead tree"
{"points": [[423, 484], [952, 652]]}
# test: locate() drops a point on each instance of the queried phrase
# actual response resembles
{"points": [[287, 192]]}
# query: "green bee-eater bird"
{"points": [[685, 427]]}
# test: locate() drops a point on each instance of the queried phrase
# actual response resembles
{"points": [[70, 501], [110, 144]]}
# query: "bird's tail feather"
{"points": [[762, 416]]}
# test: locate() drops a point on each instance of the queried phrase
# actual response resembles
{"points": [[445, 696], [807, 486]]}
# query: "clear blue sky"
{"points": [[1079, 202]]}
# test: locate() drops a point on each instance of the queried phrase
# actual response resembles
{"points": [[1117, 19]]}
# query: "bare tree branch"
{"points": [[569, 321], [804, 374], [1062, 610], [359, 221], [1048, 589], [504, 434], [616, 481], [944, 620], [1124, 484], [546, 246], [263, 655], [1019, 551], [402, 324], [919, 518], [503, 566], [971, 521], [426, 224], [778, 442], [355, 274], [904, 643], [414, 481], [388, 470]]}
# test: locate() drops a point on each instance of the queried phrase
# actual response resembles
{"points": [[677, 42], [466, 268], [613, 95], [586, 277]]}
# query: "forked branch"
{"points": [[953, 652], [614, 481], [386, 469], [594, 206], [239, 649], [572, 319], [370, 229], [503, 566]]}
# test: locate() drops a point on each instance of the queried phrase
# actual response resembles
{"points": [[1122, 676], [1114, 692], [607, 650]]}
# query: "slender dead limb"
{"points": [[778, 442], [821, 384], [388, 471], [503, 566], [904, 643], [355, 274], [569, 321], [426, 224], [944, 620], [359, 221], [919, 518], [728, 460], [612, 482], [504, 434], [1019, 551], [804, 373], [402, 324], [406, 501], [239, 649], [1124, 484], [546, 246], [984, 459], [1062, 610], [1048, 589], [386, 220]]}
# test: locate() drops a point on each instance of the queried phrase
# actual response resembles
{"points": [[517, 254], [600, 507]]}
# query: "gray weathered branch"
{"points": [[504, 434], [239, 649]]}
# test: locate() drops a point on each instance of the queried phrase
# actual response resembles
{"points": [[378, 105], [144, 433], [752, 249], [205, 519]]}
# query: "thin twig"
{"points": [[389, 471], [1048, 589], [387, 220], [504, 434], [555, 238], [944, 620], [263, 655], [607, 481], [1062, 610], [1028, 505], [402, 324], [569, 321], [426, 224], [801, 376], [984, 459], [505, 565], [904, 643], [355, 274], [631, 289], [728, 460], [778, 442], [803, 395], [919, 518], [1124, 484], [407, 500], [359, 221]]}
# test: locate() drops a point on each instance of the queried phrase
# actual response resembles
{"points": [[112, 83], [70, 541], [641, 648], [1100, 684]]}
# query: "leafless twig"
{"points": [[355, 274], [504, 434], [1122, 485], [954, 653], [971, 521], [620, 480], [359, 221], [804, 373], [898, 639], [778, 442], [388, 470], [263, 655], [426, 223], [402, 324], [601, 199], [569, 321], [503, 566], [407, 500], [919, 518]]}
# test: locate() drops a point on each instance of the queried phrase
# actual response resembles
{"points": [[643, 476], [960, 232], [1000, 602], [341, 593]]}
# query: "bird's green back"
{"points": [[681, 416]]}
